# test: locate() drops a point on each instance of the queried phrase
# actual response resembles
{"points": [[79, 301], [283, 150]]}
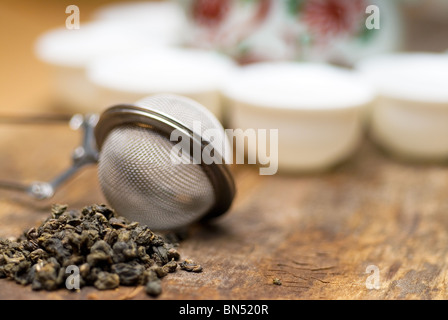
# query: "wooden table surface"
{"points": [[317, 233]]}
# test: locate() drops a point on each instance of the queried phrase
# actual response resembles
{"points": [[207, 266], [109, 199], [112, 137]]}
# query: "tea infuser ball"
{"points": [[139, 178], [133, 146]]}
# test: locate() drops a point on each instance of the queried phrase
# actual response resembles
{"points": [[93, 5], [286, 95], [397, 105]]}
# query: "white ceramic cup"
{"points": [[410, 117], [318, 110], [68, 52], [142, 10], [193, 73], [164, 20]]}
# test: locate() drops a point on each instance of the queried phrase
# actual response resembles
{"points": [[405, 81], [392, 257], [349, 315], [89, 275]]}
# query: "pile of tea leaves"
{"points": [[106, 249]]}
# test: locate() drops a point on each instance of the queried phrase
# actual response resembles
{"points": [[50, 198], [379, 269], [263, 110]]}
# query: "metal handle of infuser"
{"points": [[83, 155]]}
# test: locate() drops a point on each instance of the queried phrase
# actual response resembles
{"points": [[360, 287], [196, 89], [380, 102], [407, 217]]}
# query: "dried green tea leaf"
{"points": [[107, 281], [190, 266], [154, 288], [107, 250]]}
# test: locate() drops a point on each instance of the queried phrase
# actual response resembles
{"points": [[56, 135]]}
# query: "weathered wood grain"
{"points": [[317, 233]]}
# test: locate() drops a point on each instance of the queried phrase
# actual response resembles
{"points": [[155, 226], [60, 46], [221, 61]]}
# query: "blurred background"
{"points": [[292, 65], [26, 83]]}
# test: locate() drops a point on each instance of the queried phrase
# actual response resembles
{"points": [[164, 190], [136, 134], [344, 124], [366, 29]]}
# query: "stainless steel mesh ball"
{"points": [[137, 175]]}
